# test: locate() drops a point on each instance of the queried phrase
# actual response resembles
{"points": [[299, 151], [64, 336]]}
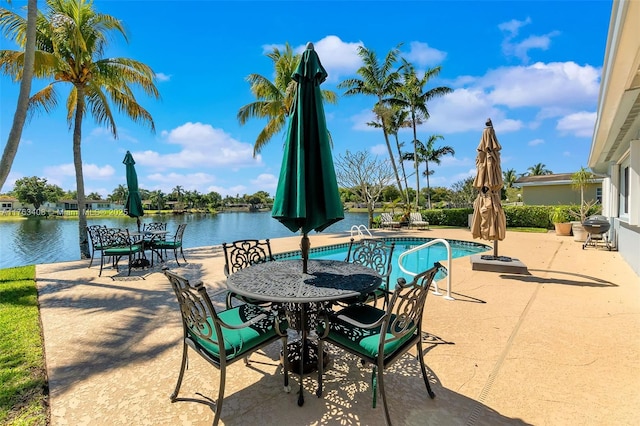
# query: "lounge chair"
{"points": [[388, 222], [416, 220]]}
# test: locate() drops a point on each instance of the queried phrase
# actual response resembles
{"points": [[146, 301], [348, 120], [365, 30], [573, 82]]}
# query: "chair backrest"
{"points": [[94, 234], [242, 253], [415, 217], [199, 318], [154, 226], [114, 237], [404, 312], [386, 217], [179, 233], [373, 253]]}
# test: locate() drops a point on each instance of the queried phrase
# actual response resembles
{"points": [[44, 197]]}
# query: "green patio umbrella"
{"points": [[133, 206], [307, 197]]}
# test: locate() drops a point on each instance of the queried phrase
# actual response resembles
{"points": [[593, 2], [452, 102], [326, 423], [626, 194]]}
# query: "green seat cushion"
{"points": [[238, 341], [361, 340], [165, 244], [122, 250]]}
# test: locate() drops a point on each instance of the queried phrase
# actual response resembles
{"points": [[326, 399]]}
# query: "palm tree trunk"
{"points": [[11, 148], [404, 172], [415, 159], [426, 162], [391, 156], [77, 162]]}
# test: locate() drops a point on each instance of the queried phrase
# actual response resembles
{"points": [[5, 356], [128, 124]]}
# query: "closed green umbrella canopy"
{"points": [[133, 206], [307, 197]]}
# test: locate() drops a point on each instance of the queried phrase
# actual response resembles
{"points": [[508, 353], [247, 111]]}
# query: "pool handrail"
{"points": [[359, 229], [435, 283]]}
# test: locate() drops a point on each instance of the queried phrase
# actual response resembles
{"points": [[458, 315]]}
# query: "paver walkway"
{"points": [[558, 347]]}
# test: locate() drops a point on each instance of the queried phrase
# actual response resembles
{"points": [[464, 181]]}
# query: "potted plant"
{"points": [[560, 218], [579, 181]]}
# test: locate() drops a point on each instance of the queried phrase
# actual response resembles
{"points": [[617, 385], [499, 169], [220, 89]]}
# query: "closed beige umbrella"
{"points": [[489, 221]]}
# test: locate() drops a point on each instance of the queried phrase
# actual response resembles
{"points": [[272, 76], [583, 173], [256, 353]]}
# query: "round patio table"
{"points": [[283, 282]]}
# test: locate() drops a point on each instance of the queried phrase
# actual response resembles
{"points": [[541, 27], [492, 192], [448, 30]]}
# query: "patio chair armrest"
{"points": [[245, 324], [359, 324]]}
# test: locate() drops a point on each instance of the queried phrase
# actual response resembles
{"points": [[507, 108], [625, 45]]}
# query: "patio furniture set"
{"points": [[334, 302], [116, 243]]}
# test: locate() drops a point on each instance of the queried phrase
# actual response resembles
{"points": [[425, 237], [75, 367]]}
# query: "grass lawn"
{"points": [[23, 394]]}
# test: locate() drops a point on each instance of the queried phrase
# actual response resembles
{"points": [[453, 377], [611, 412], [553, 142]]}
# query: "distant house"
{"points": [[62, 205], [549, 190], [615, 147]]}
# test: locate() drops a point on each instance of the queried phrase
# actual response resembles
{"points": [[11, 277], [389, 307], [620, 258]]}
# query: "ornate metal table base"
{"points": [[310, 362]]}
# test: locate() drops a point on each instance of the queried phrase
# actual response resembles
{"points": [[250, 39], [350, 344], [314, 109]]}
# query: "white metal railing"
{"points": [[359, 230], [423, 246]]}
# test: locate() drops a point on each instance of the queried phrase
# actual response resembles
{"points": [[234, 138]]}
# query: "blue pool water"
{"points": [[415, 262]]}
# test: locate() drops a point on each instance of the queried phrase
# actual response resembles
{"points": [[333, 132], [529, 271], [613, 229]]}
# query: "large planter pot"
{"points": [[563, 229], [579, 233]]}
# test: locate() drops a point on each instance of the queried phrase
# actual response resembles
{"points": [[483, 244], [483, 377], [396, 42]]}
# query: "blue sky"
{"points": [[532, 67]]}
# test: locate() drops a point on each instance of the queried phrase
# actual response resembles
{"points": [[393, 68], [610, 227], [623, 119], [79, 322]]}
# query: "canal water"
{"points": [[35, 241]]}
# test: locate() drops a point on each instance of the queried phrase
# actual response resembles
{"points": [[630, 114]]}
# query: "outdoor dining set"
{"points": [[349, 304], [117, 243]]}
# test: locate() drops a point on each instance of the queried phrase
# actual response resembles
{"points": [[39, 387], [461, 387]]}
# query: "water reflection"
{"points": [[35, 240]]}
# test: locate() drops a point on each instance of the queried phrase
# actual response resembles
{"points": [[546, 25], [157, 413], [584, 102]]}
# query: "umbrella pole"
{"points": [[138, 221], [304, 246]]}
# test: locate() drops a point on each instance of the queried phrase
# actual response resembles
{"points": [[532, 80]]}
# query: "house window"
{"points": [[599, 195], [625, 172]]}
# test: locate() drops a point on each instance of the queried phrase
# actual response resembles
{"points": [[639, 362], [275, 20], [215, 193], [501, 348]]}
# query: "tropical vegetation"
{"points": [[274, 99], [71, 41]]}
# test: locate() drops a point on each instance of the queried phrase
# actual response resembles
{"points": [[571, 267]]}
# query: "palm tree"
{"points": [[434, 155], [119, 195], [275, 99], [72, 38], [24, 74], [378, 79], [395, 118], [509, 176], [538, 170], [156, 198], [412, 97]]}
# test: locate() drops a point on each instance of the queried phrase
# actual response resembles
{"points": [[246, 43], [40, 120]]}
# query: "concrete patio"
{"points": [[560, 346]]}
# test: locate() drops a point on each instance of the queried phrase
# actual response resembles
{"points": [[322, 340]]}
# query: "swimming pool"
{"points": [[416, 262]]}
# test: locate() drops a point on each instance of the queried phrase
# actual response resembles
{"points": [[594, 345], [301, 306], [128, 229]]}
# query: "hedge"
{"points": [[517, 216]]}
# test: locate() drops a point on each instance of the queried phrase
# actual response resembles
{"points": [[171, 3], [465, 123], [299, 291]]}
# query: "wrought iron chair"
{"points": [[243, 329], [94, 238], [380, 337], [377, 255], [154, 226], [174, 244], [240, 254], [117, 243]]}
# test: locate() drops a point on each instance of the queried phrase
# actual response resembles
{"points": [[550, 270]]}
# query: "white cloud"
{"points": [[579, 124], [337, 57], [421, 55], [89, 171], [162, 77], [521, 49], [379, 149], [265, 182], [535, 142], [201, 146], [513, 27], [556, 84]]}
